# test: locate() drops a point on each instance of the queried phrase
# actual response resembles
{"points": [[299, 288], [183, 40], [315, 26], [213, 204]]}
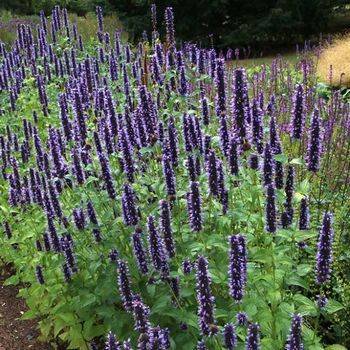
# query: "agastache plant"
{"points": [[324, 255], [205, 299]]}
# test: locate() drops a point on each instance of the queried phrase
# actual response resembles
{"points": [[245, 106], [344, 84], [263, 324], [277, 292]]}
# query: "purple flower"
{"points": [[304, 218], [112, 343], [67, 249], [254, 161], [220, 86], [314, 147], [279, 175], [205, 298], [298, 113], [240, 104], [156, 246], [230, 338], [139, 252], [183, 89], [169, 175], [275, 142], [128, 161], [270, 209], [141, 315], [268, 167], [205, 110], [194, 207], [130, 214], [322, 301], [257, 126], [237, 271], [201, 345], [165, 228], [224, 136], [295, 341], [107, 176], [170, 31], [253, 337], [124, 285], [187, 266], [39, 274], [79, 218], [324, 255], [212, 173], [242, 318]]}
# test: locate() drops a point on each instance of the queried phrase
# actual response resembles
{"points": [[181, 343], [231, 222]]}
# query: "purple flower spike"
{"points": [[124, 285], [165, 228], [170, 31], [230, 338], [220, 86], [314, 147], [141, 315], [237, 266], [201, 345], [242, 319], [139, 252], [298, 113], [324, 255], [194, 207], [304, 218], [212, 173], [268, 167], [205, 298], [39, 274], [156, 246], [253, 337], [130, 214], [112, 343], [169, 175], [240, 104], [270, 209], [295, 341]]}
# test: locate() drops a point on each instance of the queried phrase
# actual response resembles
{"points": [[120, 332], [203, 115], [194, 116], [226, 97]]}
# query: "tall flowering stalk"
{"points": [[294, 341], [139, 252], [314, 146], [230, 337], [205, 299], [194, 207], [124, 285], [157, 249], [130, 214], [253, 337], [165, 227], [270, 209], [237, 271], [304, 218], [324, 255], [240, 104], [298, 112]]}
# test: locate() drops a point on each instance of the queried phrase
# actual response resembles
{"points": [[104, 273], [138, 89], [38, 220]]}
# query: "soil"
{"points": [[16, 334]]}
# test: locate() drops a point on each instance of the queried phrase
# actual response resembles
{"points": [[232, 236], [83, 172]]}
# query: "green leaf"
{"points": [[335, 347], [333, 306], [303, 269]]}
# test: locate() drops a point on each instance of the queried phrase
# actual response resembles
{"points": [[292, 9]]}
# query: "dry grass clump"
{"points": [[336, 55]]}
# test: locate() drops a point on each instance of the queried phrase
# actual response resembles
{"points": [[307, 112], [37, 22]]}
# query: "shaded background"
{"points": [[262, 25]]}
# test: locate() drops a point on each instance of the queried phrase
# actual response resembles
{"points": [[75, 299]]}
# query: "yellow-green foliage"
{"points": [[336, 55], [87, 25]]}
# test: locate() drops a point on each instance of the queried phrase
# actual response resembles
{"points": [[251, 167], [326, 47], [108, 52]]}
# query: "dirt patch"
{"points": [[15, 334]]}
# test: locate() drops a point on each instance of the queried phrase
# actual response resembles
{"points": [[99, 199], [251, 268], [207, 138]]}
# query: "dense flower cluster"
{"points": [[125, 169]]}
